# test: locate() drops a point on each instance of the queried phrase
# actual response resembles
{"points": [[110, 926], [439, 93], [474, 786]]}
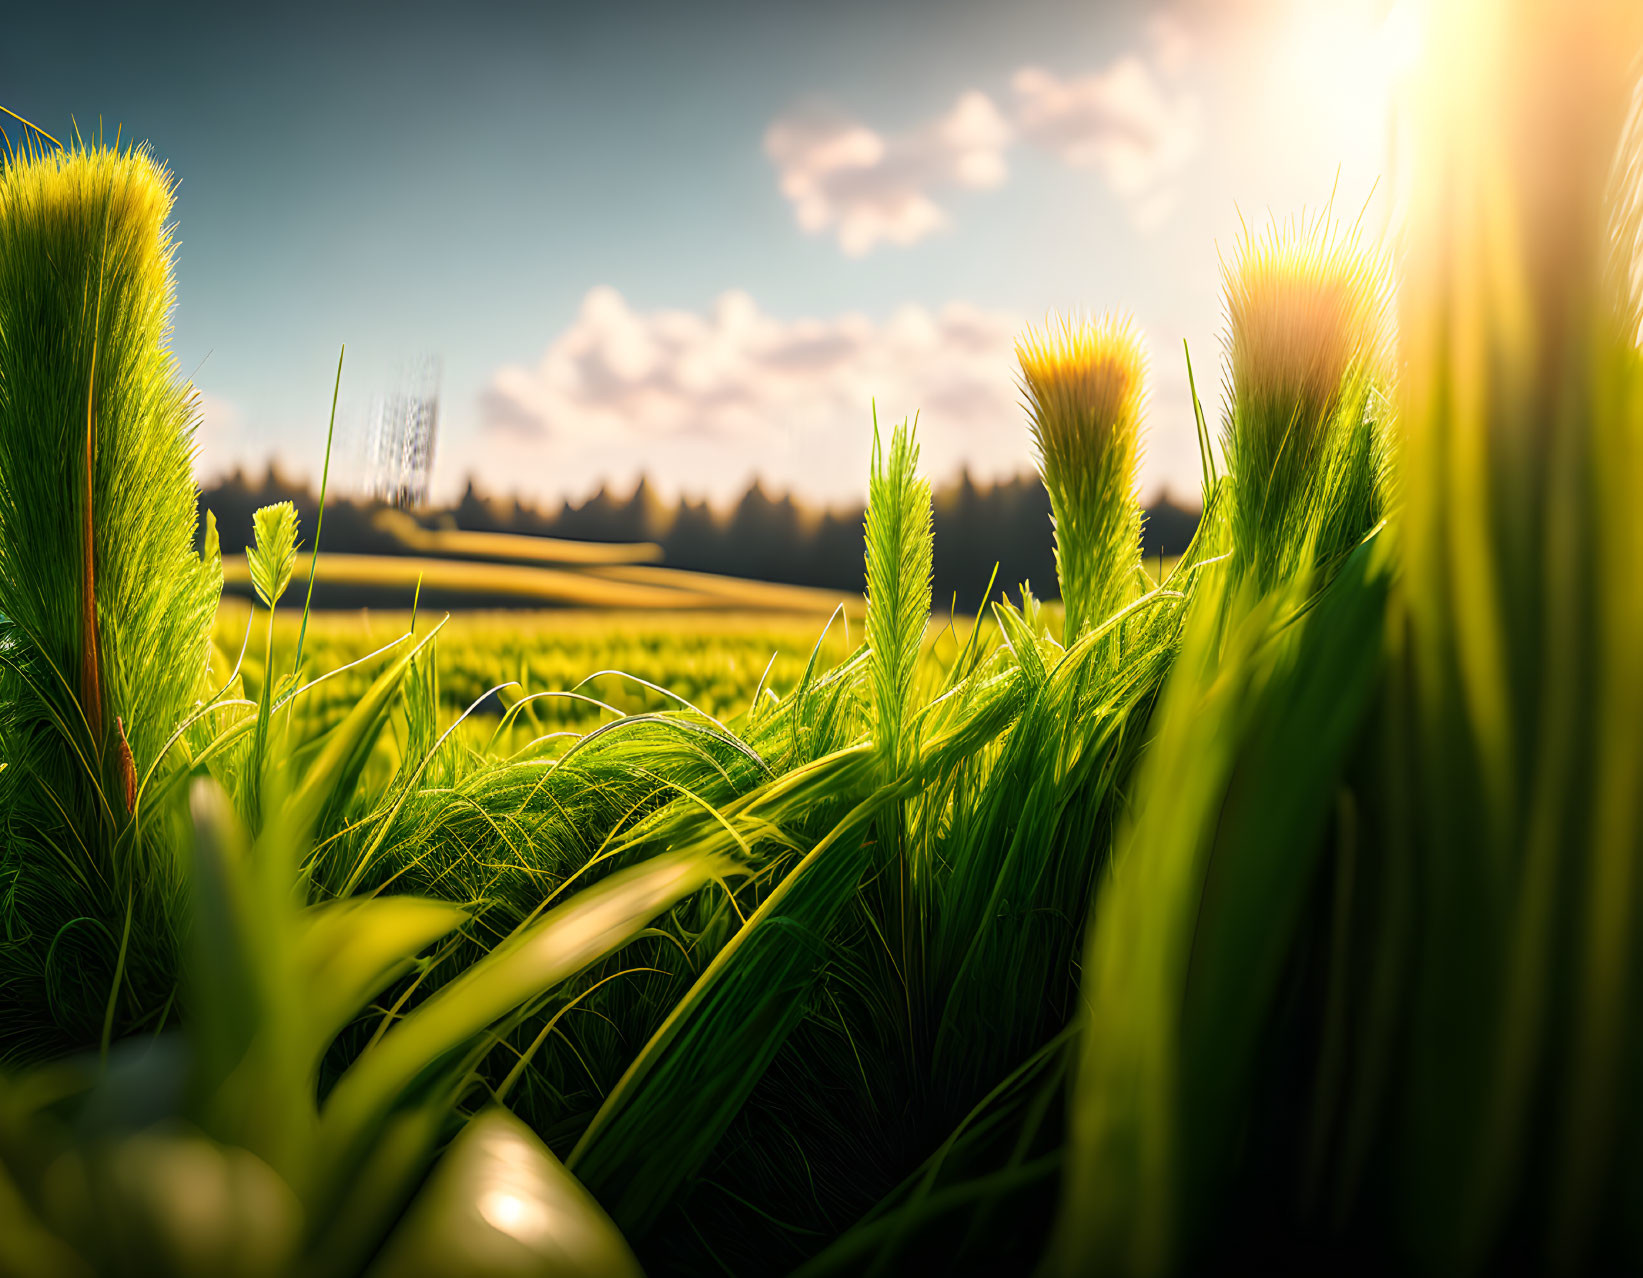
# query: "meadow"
{"points": [[1279, 914], [629, 661], [630, 586]]}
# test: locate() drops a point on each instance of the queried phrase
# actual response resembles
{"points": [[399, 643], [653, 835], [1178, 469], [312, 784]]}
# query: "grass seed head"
{"points": [[1304, 323], [273, 556], [1084, 387], [1305, 340]]}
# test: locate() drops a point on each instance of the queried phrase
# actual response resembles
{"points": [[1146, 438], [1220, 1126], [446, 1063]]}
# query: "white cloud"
{"points": [[1130, 121], [1125, 121], [844, 177], [702, 401]]}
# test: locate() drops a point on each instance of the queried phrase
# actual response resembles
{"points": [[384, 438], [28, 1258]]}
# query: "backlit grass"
{"points": [[1278, 915]]}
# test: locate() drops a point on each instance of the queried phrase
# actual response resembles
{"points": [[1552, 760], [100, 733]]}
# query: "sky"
{"points": [[705, 242]]}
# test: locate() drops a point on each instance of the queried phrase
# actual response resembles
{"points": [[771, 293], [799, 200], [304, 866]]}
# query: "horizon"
{"points": [[271, 474]]}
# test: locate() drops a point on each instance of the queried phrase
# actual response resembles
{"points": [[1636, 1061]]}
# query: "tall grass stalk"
{"points": [[107, 609], [1522, 397], [1217, 860], [1306, 364], [319, 523], [1084, 386], [899, 558]]}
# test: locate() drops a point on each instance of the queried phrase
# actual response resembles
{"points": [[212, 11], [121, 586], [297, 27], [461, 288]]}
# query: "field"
{"points": [[716, 661], [1278, 915], [517, 680], [593, 584]]}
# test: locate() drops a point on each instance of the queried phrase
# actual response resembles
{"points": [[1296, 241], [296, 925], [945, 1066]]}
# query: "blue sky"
{"points": [[699, 240]]}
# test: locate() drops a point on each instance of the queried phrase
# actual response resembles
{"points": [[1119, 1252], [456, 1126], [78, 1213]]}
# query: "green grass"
{"points": [[719, 661], [104, 606], [1280, 913]]}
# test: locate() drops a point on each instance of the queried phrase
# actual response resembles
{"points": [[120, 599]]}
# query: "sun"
{"points": [[1342, 67]]}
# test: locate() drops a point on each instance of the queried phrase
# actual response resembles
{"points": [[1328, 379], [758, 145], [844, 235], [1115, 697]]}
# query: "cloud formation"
{"points": [[844, 177], [1130, 121], [1124, 121], [677, 393]]}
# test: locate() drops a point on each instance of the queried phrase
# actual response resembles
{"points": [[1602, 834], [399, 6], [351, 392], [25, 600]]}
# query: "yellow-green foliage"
{"points": [[1522, 398], [1304, 338], [106, 607], [713, 660], [1285, 915], [273, 554], [1302, 311], [1084, 386], [96, 433], [899, 556]]}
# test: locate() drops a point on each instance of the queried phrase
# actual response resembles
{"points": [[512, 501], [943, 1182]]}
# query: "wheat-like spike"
{"points": [[899, 561], [1084, 387], [1305, 337], [273, 555]]}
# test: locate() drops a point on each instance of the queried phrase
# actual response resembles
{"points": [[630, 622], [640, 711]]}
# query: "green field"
{"points": [[1284, 915], [713, 660], [593, 583], [560, 663]]}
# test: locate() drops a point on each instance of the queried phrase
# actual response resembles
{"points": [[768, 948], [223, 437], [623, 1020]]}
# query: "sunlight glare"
{"points": [[1343, 64]]}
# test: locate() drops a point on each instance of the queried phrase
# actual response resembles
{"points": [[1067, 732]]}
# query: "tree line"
{"points": [[761, 536]]}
